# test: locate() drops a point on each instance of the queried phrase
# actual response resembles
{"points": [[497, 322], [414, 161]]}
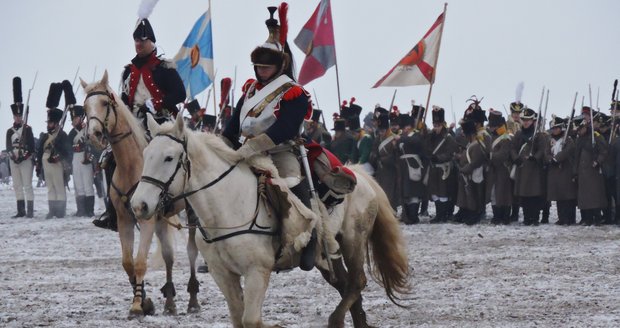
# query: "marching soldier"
{"points": [[559, 158], [499, 185], [413, 167], [528, 154], [385, 156], [82, 165], [442, 179], [590, 153], [343, 142], [150, 85], [20, 145], [54, 154]]}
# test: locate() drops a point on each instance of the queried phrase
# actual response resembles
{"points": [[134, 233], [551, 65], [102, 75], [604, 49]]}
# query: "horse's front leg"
{"points": [[164, 231], [230, 285], [193, 286], [255, 287], [141, 304], [126, 236]]}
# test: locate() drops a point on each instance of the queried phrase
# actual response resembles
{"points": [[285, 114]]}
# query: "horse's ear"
{"points": [[152, 124], [104, 79], [180, 123], [84, 84]]}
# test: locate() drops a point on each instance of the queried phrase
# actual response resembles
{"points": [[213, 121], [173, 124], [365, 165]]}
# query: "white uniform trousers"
{"points": [[22, 179], [82, 176], [54, 179]]}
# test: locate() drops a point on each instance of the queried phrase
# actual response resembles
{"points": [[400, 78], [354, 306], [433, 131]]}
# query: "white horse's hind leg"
{"points": [[164, 234], [256, 283], [230, 285]]}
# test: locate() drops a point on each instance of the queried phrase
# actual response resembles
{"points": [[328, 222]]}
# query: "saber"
{"points": [[393, 98], [316, 208]]}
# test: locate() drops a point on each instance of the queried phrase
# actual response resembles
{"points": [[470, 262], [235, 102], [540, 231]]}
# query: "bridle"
{"points": [[111, 107], [166, 200]]}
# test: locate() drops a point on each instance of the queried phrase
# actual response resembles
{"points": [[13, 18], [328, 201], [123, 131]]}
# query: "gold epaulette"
{"points": [[596, 134]]}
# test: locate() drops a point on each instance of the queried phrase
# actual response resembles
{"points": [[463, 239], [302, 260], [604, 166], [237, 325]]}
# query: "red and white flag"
{"points": [[418, 66], [316, 40]]}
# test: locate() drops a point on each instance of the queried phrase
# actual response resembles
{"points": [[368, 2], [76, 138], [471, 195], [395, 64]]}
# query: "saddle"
{"points": [[332, 179]]}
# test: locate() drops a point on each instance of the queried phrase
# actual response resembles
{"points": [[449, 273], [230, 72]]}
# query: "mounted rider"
{"points": [[270, 115], [151, 84]]}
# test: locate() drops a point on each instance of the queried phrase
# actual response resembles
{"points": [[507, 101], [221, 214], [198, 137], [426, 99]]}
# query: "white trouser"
{"points": [[22, 179], [82, 176], [54, 179]]}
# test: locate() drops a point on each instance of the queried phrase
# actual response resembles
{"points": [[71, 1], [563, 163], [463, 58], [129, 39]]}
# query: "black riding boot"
{"points": [[306, 260], [21, 209], [79, 203], [51, 205], [61, 208], [514, 214], [440, 213], [30, 209], [497, 215], [424, 207], [107, 220], [412, 213], [89, 206]]}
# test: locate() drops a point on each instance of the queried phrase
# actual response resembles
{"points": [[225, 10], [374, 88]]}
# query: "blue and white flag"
{"points": [[195, 58]]}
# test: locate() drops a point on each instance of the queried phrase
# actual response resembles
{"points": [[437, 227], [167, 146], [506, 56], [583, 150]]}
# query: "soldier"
{"points": [[316, 131], [442, 147], [363, 145], [207, 123], [590, 153], [602, 124], [513, 126], [559, 158], [470, 199], [150, 84], [343, 142], [385, 156], [82, 165], [193, 108], [20, 145], [270, 115], [499, 185], [53, 155], [414, 168], [528, 154]]}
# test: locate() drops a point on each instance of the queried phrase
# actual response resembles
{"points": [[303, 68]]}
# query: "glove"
{"points": [[255, 146]]}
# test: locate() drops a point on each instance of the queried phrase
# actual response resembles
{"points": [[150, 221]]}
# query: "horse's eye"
{"points": [[104, 103], [168, 159]]}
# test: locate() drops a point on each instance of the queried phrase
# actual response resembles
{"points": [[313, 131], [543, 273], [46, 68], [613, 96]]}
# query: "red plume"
{"points": [[344, 104], [395, 109], [352, 100], [282, 12], [335, 116], [225, 86]]}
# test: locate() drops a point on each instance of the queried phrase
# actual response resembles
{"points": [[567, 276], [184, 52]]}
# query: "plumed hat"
{"points": [[394, 114], [516, 106], [557, 122], [54, 115], [17, 107], [438, 115], [275, 51], [379, 111], [468, 126], [67, 89], [352, 110], [53, 96], [144, 30], [474, 111]]}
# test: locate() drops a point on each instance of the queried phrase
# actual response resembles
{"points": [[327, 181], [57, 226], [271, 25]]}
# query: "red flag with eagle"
{"points": [[316, 40], [418, 66]]}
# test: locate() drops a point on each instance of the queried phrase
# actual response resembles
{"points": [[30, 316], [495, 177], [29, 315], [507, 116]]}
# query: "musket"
{"points": [[598, 93], [614, 99], [452, 110], [27, 109], [591, 117], [232, 91], [74, 79], [505, 111], [542, 96], [545, 112], [570, 121]]}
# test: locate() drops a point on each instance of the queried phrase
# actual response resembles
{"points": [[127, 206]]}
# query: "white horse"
{"points": [[179, 163], [110, 119]]}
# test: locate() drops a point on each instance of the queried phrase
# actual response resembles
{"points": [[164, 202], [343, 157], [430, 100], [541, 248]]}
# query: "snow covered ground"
{"points": [[67, 273]]}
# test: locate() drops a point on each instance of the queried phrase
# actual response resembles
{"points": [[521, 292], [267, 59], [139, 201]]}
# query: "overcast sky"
{"points": [[488, 46]]}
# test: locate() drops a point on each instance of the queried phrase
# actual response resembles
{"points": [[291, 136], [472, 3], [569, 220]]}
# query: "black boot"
{"points": [[30, 209], [89, 206], [61, 208], [545, 213], [107, 220], [496, 219], [412, 213], [440, 213], [514, 214], [21, 209], [79, 203], [51, 205], [306, 260], [424, 208]]}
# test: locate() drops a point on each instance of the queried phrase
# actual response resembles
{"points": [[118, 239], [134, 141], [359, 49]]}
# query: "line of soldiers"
{"points": [[513, 164]]}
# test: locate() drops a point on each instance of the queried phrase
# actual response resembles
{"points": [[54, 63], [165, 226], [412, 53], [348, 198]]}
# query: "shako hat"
{"points": [[495, 118], [339, 125], [383, 122], [557, 122], [528, 114], [438, 115], [144, 30], [193, 107], [17, 107], [316, 115]]}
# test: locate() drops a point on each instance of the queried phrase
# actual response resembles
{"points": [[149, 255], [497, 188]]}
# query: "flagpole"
{"points": [[215, 74], [430, 90], [336, 57]]}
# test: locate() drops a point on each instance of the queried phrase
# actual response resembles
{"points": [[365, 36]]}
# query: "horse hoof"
{"points": [[148, 308], [170, 310], [135, 312], [193, 308]]}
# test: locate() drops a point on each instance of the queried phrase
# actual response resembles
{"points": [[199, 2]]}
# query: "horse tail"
{"points": [[387, 256]]}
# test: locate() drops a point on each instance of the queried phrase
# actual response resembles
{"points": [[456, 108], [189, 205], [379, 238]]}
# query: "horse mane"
{"points": [[134, 124]]}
